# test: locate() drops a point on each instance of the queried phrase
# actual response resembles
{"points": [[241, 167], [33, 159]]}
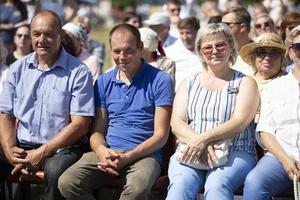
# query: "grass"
{"points": [[101, 33]]}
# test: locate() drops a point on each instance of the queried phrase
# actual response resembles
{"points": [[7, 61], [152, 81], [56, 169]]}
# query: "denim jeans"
{"points": [[83, 178], [219, 183], [266, 180]]}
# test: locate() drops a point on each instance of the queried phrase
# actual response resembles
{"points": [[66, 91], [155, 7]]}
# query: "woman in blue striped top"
{"points": [[213, 107]]}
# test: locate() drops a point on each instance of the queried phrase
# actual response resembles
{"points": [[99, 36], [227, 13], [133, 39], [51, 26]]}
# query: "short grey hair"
{"points": [[211, 29], [3, 52]]}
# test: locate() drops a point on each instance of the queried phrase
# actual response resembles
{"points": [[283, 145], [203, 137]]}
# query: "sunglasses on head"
{"points": [[261, 25], [207, 50], [270, 52]]}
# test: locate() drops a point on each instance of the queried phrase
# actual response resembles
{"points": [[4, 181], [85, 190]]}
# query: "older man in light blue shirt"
{"points": [[50, 93]]}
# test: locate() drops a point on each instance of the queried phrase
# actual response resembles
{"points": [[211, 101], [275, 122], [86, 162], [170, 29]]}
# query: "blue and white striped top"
{"points": [[207, 109]]}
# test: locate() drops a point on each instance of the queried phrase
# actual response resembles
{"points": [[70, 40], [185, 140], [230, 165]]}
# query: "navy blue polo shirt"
{"points": [[131, 108]]}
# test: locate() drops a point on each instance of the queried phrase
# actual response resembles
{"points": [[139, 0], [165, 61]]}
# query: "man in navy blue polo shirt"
{"points": [[133, 109]]}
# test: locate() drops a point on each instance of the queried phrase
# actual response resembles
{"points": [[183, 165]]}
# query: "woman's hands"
{"points": [[292, 167]]}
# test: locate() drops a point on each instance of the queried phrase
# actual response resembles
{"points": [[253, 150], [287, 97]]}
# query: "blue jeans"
{"points": [[219, 183], [266, 180]]}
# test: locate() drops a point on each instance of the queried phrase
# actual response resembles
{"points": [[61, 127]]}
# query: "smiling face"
{"points": [[125, 50], [46, 36], [215, 50]]}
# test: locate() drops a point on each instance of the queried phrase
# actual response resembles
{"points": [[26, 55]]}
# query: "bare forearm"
{"points": [[68, 136], [97, 141], [7, 131]]}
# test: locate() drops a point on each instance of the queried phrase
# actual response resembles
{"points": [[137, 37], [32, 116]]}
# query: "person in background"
{"points": [[288, 42], [160, 23], [22, 41], [267, 56], [210, 106], [50, 93], [75, 46], [183, 52], [262, 24], [278, 133], [291, 20], [134, 104], [150, 55], [3, 67], [94, 47], [239, 21], [133, 19], [173, 10]]}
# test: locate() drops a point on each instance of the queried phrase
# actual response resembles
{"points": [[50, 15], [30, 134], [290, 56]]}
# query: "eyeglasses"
{"points": [[270, 52], [230, 24], [296, 48], [207, 50], [262, 25], [23, 35]]}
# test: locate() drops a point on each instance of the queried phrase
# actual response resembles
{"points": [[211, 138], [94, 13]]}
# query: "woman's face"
{"points": [[215, 50], [263, 25], [268, 61], [294, 51], [22, 37]]}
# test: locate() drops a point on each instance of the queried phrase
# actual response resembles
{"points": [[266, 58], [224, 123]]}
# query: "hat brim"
{"points": [[247, 52]]}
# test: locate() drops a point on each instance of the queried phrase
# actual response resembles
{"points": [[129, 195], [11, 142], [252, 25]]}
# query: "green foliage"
{"points": [[124, 3]]}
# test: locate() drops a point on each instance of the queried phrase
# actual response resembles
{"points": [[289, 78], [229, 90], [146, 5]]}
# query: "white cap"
{"points": [[149, 38], [158, 18]]}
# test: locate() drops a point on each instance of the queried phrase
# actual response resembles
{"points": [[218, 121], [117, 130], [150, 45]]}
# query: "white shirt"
{"points": [[243, 67], [280, 113], [187, 62]]}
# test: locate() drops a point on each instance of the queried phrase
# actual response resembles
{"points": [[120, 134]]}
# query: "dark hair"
{"points": [[130, 15], [47, 12], [126, 28], [68, 44], [215, 19], [241, 13], [189, 23], [176, 2]]}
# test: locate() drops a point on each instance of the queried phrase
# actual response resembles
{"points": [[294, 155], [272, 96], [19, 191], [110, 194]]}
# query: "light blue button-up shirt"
{"points": [[44, 100]]}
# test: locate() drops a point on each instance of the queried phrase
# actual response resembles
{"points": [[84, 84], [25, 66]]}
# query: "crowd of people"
{"points": [[225, 85]]}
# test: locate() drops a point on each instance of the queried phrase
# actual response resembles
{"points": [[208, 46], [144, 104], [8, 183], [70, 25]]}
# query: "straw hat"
{"points": [[271, 40]]}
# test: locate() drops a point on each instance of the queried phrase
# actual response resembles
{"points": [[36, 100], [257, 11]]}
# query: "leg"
{"points": [[266, 180], [54, 167], [81, 179], [223, 181], [184, 181], [140, 177]]}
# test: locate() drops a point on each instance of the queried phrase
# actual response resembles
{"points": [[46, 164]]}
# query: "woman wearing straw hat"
{"points": [[212, 108], [278, 132], [267, 56]]}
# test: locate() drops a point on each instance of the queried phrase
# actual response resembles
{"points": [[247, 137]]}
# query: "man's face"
{"points": [[188, 37], [125, 51], [231, 20], [46, 37]]}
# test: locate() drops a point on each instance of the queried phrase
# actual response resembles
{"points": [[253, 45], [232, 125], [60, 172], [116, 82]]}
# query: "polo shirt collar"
{"points": [[61, 61]]}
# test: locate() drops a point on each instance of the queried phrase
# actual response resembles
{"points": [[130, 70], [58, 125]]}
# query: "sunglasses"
{"points": [[207, 50], [272, 53], [262, 25], [296, 48]]}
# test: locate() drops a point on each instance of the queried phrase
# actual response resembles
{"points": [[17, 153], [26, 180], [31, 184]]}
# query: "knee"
{"points": [[136, 191], [253, 182], [183, 187], [66, 184]]}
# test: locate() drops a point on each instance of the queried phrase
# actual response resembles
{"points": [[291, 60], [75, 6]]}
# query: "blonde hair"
{"points": [[211, 29]]}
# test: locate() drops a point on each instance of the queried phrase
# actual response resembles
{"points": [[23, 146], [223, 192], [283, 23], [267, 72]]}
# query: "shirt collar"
{"points": [[61, 61]]}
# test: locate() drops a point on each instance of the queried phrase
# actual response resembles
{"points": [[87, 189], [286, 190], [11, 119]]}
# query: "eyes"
{"points": [[208, 49], [127, 52]]}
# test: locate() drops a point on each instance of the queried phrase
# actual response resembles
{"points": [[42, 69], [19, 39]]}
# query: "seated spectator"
{"points": [[210, 107], [75, 47], [133, 19], [291, 20], [22, 42], [160, 23], [134, 103], [288, 42], [263, 24], [183, 53], [94, 47], [50, 93], [278, 133], [151, 41], [267, 56]]}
